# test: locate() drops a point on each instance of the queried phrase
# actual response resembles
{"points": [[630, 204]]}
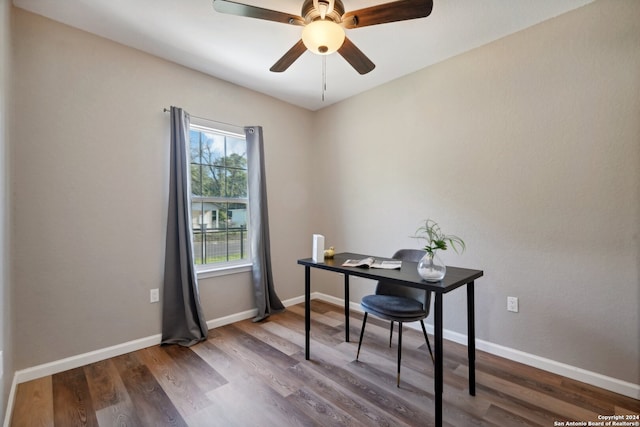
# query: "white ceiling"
{"points": [[241, 50]]}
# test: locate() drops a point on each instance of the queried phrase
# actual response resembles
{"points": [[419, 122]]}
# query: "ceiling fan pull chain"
{"points": [[324, 76]]}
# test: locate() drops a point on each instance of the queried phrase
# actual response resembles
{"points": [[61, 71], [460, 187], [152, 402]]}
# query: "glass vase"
{"points": [[431, 268]]}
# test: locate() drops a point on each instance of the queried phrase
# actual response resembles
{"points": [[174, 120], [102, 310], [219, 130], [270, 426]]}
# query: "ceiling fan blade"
{"points": [[233, 8], [289, 58], [400, 10], [355, 57]]}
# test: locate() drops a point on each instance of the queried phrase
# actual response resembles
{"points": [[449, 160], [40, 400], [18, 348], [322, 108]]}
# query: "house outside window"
{"points": [[219, 198]]}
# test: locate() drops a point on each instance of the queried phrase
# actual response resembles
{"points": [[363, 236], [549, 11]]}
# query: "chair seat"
{"points": [[393, 307]]}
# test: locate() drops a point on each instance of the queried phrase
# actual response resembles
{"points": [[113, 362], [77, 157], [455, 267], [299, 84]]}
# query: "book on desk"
{"points": [[371, 262]]}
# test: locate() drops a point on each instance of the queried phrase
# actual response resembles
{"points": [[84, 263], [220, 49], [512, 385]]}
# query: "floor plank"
{"points": [[72, 401], [150, 400], [111, 400], [34, 404]]}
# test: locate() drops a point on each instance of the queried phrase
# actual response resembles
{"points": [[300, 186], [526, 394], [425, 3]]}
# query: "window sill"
{"points": [[206, 273]]}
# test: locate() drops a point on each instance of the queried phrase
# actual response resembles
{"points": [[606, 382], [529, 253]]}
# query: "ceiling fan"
{"points": [[324, 22]]}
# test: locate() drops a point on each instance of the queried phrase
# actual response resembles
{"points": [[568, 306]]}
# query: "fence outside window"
{"points": [[220, 245]]}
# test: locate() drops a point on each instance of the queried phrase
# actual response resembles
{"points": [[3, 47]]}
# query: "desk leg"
{"points": [[438, 356], [346, 307], [307, 310], [471, 337]]}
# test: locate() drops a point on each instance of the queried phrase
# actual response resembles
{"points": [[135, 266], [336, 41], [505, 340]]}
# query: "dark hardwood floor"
{"points": [[249, 374]]}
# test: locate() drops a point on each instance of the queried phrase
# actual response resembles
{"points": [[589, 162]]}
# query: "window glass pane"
{"points": [[213, 181], [194, 146], [236, 153], [237, 238], [196, 180], [223, 215], [213, 150], [209, 215], [196, 226], [237, 214], [236, 181], [218, 247], [196, 215]]}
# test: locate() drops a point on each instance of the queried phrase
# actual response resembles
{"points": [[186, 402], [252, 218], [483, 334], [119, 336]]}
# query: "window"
{"points": [[219, 198]]}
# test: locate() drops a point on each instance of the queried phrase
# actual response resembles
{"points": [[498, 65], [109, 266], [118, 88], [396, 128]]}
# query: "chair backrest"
{"points": [[385, 288]]}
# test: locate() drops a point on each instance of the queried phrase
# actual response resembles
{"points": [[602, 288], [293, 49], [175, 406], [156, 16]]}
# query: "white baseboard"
{"points": [[72, 362], [593, 378], [10, 400], [227, 320]]}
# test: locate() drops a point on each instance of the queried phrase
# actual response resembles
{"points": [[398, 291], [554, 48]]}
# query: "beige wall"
{"points": [[528, 148], [90, 150], [5, 297]]}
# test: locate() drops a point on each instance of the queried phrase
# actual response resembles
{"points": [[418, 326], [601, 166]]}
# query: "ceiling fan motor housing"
{"points": [[310, 13]]}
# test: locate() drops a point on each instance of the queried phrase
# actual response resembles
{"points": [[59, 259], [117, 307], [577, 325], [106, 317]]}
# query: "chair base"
{"points": [[424, 331]]}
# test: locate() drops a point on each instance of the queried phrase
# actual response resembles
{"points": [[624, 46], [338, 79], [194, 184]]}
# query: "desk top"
{"points": [[407, 275]]}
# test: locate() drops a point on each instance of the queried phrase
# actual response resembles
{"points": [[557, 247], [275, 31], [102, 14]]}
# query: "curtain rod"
{"points": [[168, 110]]}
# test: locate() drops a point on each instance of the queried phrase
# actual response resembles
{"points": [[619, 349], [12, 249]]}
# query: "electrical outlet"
{"points": [[154, 295], [512, 304]]}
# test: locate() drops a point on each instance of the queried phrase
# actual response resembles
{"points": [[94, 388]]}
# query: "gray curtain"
{"points": [[182, 319], [265, 295]]}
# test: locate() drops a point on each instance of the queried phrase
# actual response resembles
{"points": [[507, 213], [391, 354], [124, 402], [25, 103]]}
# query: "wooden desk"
{"points": [[407, 276]]}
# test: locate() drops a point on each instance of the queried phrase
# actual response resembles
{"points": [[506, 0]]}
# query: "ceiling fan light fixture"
{"points": [[323, 37]]}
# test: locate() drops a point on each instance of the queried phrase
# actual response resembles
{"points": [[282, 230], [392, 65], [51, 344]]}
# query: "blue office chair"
{"points": [[398, 303]]}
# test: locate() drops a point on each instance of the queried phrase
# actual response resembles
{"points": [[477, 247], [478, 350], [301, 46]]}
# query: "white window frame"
{"points": [[230, 267]]}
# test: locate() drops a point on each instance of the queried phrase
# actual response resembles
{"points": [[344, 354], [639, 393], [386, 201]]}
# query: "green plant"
{"points": [[436, 239]]}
